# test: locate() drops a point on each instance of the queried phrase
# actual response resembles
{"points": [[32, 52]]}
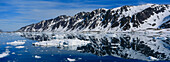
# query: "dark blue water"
{"points": [[58, 54]]}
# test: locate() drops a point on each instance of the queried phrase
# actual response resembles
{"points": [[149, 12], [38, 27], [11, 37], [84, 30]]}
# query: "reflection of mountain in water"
{"points": [[130, 46]]}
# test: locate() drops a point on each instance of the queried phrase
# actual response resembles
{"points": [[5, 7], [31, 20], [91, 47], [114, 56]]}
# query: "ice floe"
{"points": [[62, 43], [37, 56], [4, 54], [13, 52], [18, 42], [152, 58], [19, 47], [71, 60]]}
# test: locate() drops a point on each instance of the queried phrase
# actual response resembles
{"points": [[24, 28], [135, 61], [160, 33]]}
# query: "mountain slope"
{"points": [[125, 18]]}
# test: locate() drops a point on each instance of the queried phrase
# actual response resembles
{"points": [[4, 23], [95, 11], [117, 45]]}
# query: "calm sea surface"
{"points": [[39, 47]]}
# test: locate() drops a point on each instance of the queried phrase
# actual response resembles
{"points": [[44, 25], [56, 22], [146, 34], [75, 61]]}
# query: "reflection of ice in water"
{"points": [[125, 45]]}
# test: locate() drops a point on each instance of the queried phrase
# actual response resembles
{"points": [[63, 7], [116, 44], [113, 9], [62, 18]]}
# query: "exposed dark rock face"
{"points": [[116, 19]]}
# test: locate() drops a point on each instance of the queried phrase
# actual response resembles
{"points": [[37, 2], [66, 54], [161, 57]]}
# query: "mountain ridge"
{"points": [[125, 18]]}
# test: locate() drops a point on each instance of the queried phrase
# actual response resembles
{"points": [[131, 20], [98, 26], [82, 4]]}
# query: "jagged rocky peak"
{"points": [[81, 15], [125, 18], [62, 17], [100, 10]]}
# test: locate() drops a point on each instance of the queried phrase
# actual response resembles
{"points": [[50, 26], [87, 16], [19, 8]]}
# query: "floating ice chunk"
{"points": [[13, 52], [19, 47], [65, 42], [8, 47], [4, 54], [152, 58], [71, 60], [18, 42], [37, 56]]}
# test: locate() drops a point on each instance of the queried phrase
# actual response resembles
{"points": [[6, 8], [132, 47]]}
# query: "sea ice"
{"points": [[18, 42], [152, 58], [37, 56], [19, 47], [71, 60], [4, 54], [13, 52], [64, 43]]}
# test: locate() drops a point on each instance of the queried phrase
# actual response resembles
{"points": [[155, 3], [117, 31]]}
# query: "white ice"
{"points": [[37, 56], [19, 47], [4, 54], [152, 58], [63, 42], [71, 60], [18, 42]]}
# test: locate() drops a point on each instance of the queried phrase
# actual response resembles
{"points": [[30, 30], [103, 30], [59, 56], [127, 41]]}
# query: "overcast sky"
{"points": [[18, 13]]}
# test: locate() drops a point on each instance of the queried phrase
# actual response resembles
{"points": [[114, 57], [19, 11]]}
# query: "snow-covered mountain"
{"points": [[125, 18]]}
